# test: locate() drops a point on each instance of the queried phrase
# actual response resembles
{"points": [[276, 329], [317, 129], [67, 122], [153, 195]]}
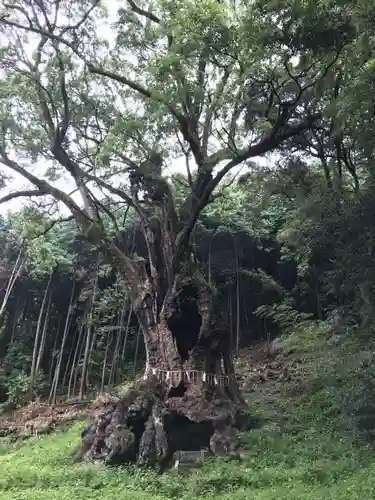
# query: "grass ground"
{"points": [[304, 450]]}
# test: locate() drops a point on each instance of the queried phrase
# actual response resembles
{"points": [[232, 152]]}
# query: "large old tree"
{"points": [[93, 115]]}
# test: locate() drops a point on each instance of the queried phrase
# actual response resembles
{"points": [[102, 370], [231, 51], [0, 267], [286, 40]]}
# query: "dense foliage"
{"points": [[213, 83]]}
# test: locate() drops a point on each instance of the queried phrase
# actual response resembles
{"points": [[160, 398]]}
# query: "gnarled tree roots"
{"points": [[152, 422]]}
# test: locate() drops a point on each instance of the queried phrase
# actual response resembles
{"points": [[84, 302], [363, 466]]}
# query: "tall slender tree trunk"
{"points": [[126, 336], [16, 318], [230, 319], [44, 335], [245, 311], [76, 357], [238, 299], [116, 353], [89, 335], [56, 378], [18, 266], [90, 361], [68, 365], [53, 353], [209, 260], [37, 335], [79, 359], [104, 369]]}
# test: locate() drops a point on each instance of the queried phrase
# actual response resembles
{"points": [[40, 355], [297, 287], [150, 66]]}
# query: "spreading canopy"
{"points": [[105, 109]]}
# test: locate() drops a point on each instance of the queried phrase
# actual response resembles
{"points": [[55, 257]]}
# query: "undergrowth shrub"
{"points": [[18, 387], [359, 399], [283, 314], [337, 385]]}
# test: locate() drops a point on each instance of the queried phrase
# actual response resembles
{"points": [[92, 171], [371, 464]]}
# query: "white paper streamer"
{"points": [[189, 375]]}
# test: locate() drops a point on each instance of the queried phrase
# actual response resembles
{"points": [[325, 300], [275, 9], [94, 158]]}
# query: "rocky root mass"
{"points": [[147, 427]]}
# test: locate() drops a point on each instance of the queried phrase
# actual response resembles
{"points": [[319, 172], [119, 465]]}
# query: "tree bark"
{"points": [[188, 399]]}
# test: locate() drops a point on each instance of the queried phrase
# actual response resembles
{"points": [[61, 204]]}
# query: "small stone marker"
{"points": [[188, 459]]}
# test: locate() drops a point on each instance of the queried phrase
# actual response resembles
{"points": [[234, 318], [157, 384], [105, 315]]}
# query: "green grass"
{"points": [[305, 450]]}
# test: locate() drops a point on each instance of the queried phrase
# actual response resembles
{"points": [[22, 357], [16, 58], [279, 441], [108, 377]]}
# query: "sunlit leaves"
{"points": [[47, 248], [221, 75]]}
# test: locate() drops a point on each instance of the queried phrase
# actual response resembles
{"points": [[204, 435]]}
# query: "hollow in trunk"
{"points": [[188, 398]]}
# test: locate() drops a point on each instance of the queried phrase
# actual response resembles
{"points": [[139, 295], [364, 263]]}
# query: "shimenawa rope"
{"points": [[193, 376]]}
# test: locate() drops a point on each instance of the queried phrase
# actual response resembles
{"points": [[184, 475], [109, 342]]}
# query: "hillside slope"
{"points": [[313, 441]]}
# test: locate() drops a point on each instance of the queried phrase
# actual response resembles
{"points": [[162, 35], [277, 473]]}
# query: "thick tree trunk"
{"points": [[188, 399]]}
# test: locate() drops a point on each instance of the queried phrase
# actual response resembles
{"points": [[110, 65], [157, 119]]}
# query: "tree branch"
{"points": [[39, 31], [79, 175], [22, 194], [63, 128], [83, 19], [43, 186], [211, 110], [265, 145], [91, 230], [52, 225], [144, 13], [184, 122], [35, 76], [149, 16]]}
